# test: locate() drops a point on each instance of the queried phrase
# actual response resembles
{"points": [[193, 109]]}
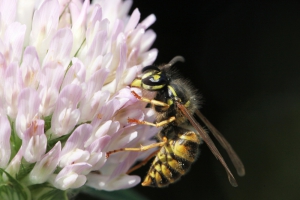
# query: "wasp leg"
{"points": [[157, 124], [142, 163], [151, 101], [142, 148]]}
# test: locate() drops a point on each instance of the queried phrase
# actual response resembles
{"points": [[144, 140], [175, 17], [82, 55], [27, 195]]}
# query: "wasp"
{"points": [[176, 102]]}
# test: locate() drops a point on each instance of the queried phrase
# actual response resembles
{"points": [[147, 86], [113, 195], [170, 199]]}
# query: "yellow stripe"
{"points": [[172, 90], [149, 87], [190, 136], [187, 104]]}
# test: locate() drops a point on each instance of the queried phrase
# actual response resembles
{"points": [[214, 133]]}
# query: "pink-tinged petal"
{"points": [[78, 15], [126, 98], [122, 182], [50, 82], [131, 75], [74, 156], [102, 129], [94, 98], [114, 128], [96, 15], [100, 41], [49, 97], [70, 176], [146, 23], [3, 67], [96, 42], [14, 165], [60, 48], [13, 85], [96, 82], [25, 9], [107, 60], [8, 11], [52, 76], [66, 114], [98, 158], [30, 67], [133, 21], [44, 26], [28, 106], [46, 166], [108, 110], [135, 37], [14, 38], [5, 132], [34, 142], [119, 63], [110, 9], [77, 138], [124, 164], [147, 40], [118, 28], [99, 144], [76, 74], [90, 107], [78, 10], [149, 57]]}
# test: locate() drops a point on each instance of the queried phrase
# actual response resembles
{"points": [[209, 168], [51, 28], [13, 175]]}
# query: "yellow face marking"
{"points": [[156, 77], [136, 83]]}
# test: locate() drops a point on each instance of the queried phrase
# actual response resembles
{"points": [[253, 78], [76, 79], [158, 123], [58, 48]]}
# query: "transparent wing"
{"points": [[225, 144], [208, 141]]}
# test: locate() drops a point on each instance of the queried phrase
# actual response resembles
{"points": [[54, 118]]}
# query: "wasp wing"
{"points": [[208, 141], [225, 144]]}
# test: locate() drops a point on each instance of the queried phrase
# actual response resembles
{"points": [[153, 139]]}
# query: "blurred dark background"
{"points": [[244, 57]]}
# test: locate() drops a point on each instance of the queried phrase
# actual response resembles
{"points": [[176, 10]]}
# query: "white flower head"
{"points": [[64, 96]]}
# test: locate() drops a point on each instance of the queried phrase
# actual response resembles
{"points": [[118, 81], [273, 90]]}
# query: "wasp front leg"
{"points": [[156, 103], [151, 101]]}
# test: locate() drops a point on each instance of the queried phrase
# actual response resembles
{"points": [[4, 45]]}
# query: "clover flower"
{"points": [[64, 96]]}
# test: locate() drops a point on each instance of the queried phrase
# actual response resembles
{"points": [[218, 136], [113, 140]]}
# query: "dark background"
{"points": [[244, 58]]}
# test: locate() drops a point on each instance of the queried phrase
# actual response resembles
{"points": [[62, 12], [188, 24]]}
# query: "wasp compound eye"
{"points": [[154, 82], [150, 68]]}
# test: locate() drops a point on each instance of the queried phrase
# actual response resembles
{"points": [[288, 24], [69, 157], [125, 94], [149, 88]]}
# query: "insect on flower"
{"points": [[175, 103]]}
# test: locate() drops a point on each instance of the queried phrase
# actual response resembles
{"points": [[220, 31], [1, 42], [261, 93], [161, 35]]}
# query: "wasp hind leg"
{"points": [[157, 124], [144, 162]]}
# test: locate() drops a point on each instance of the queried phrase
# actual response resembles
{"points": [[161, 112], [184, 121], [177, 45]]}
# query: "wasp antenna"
{"points": [[175, 60]]}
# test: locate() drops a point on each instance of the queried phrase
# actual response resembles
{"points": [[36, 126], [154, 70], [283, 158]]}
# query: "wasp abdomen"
{"points": [[173, 160]]}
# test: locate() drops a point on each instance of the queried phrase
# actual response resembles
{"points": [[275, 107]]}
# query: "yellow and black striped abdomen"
{"points": [[173, 160]]}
